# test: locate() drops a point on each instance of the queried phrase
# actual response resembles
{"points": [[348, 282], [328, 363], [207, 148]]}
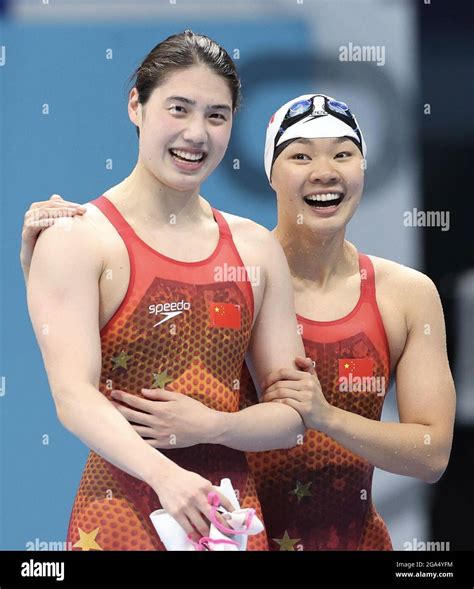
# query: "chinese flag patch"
{"points": [[355, 366], [224, 315]]}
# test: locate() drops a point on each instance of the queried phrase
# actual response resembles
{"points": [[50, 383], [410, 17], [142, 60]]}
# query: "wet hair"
{"points": [[179, 52]]}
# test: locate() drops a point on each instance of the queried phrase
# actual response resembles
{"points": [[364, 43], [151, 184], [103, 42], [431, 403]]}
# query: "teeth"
{"points": [[323, 197], [193, 157]]}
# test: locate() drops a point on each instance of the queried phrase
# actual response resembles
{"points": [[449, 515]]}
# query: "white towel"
{"points": [[174, 537]]}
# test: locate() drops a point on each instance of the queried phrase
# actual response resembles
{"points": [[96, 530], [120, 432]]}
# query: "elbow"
{"points": [[62, 413], [433, 476], [436, 462], [435, 470], [62, 398], [295, 437]]}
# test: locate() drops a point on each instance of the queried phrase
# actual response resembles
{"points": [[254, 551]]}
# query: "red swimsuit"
{"points": [[181, 326], [317, 495]]}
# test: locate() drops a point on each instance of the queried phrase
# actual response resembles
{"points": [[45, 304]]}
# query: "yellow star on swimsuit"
{"points": [[161, 379], [286, 543], [301, 490], [87, 540], [121, 360]]}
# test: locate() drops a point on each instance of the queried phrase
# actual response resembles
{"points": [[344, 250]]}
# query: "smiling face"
{"points": [[321, 179], [184, 127]]}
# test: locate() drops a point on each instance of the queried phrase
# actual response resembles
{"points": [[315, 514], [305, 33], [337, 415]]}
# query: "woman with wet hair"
{"points": [[134, 313]]}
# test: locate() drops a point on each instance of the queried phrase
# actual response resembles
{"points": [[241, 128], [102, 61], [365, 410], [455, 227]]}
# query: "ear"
{"points": [[134, 108], [270, 181]]}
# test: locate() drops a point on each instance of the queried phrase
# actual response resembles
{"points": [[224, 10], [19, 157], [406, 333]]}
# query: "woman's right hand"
{"points": [[38, 217], [183, 494]]}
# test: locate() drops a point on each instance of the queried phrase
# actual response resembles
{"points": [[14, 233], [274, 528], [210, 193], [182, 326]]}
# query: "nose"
{"points": [[324, 172], [195, 131]]}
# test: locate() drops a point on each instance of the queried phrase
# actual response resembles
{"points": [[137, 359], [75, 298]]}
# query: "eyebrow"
{"points": [[193, 103], [306, 141], [303, 140]]}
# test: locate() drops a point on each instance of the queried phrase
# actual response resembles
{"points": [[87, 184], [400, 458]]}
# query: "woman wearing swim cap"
{"points": [[362, 318]]}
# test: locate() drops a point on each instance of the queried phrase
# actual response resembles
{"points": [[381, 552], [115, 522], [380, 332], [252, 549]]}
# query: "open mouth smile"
{"points": [[186, 159], [324, 199]]}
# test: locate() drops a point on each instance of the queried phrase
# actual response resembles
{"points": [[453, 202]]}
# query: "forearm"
{"points": [[409, 449], [86, 413], [266, 426]]}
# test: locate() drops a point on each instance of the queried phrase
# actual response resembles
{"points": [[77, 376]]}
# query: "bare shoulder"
{"points": [[393, 273], [80, 238], [252, 235], [257, 245], [246, 227], [95, 222], [409, 287]]}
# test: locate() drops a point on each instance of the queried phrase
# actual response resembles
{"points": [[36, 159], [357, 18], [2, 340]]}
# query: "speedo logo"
{"points": [[168, 310]]}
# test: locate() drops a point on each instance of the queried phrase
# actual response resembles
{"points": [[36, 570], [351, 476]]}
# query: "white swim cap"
{"points": [[311, 116]]}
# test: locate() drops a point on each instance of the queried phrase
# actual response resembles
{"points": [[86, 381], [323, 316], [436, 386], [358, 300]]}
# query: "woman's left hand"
{"points": [[301, 390]]}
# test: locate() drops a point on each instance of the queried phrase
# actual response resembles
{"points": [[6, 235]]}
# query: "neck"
{"points": [[316, 258], [142, 196]]}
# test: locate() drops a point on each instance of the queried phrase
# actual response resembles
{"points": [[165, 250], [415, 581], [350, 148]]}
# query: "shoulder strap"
{"points": [[224, 229], [114, 216]]}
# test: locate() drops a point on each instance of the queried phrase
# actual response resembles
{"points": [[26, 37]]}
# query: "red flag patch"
{"points": [[356, 366], [224, 315]]}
